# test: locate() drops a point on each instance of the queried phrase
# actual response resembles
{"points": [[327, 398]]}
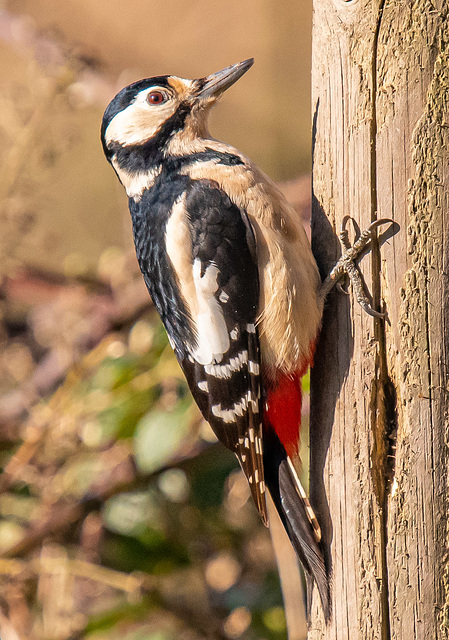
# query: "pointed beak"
{"points": [[215, 84]]}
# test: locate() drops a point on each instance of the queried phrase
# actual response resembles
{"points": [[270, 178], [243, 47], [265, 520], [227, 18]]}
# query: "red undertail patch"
{"points": [[283, 411]]}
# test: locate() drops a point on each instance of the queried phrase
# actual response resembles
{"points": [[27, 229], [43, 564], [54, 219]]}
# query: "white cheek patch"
{"points": [[140, 121], [213, 338]]}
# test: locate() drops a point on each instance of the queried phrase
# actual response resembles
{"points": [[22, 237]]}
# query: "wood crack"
{"points": [[383, 394]]}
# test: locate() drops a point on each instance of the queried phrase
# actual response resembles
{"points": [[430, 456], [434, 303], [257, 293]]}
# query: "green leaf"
{"points": [[305, 382], [159, 435], [128, 513]]}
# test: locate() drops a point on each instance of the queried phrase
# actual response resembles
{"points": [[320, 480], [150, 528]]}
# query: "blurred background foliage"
{"points": [[120, 514]]}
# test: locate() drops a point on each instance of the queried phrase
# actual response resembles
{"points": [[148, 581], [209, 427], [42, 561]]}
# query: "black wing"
{"points": [[227, 388]]}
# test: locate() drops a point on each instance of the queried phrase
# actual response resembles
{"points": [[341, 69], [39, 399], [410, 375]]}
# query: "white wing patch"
{"points": [[212, 334], [198, 290]]}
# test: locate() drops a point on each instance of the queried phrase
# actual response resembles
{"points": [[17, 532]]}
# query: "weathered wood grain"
{"points": [[379, 410]]}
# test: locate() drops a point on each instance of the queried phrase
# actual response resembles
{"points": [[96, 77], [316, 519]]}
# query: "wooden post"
{"points": [[380, 394]]}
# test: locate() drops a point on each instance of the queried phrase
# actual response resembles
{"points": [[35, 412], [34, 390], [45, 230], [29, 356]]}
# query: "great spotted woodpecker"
{"points": [[231, 273]]}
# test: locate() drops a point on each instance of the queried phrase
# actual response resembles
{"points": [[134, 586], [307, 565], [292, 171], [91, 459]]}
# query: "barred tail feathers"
{"points": [[297, 517]]}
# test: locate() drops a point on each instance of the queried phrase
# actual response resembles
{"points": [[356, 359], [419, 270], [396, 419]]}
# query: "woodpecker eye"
{"points": [[156, 97]]}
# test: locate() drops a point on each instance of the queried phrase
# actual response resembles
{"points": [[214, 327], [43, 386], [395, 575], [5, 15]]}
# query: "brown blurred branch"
{"points": [[63, 515], [107, 310], [131, 583], [135, 584]]}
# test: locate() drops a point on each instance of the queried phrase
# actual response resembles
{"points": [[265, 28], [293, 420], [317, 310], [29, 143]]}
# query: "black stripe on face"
{"points": [[142, 157], [175, 163]]}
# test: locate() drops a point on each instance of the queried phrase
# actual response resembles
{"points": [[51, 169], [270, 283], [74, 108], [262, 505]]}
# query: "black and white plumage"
{"points": [[213, 334], [231, 273]]}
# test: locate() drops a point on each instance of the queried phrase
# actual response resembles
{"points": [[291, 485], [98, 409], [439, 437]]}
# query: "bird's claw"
{"points": [[346, 265], [341, 289]]}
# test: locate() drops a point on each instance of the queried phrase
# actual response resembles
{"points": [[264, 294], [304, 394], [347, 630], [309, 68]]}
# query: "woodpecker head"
{"points": [[154, 118]]}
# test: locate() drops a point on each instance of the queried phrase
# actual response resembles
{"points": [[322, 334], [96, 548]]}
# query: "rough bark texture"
{"points": [[379, 414]]}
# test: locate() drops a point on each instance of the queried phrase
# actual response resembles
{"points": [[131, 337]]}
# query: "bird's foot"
{"points": [[346, 266]]}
